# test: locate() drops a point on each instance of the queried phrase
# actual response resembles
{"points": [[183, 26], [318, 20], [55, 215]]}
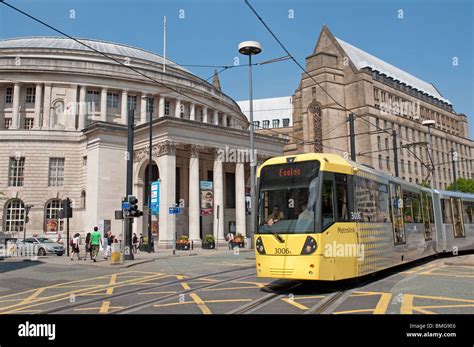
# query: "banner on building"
{"points": [[207, 197], [155, 198]]}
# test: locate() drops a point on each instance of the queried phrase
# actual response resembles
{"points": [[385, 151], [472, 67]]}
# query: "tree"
{"points": [[465, 185]]}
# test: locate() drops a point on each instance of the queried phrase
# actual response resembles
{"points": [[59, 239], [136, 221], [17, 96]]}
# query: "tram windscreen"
{"points": [[287, 198]]}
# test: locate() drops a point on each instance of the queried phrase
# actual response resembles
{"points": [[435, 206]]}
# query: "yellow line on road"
{"points": [[154, 293], [206, 302], [113, 280], [202, 306], [407, 304], [105, 307], [383, 303], [66, 295], [295, 304]]}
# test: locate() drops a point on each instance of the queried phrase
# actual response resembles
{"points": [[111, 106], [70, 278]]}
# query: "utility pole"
{"points": [[395, 152], [150, 177], [454, 155], [352, 136], [129, 221]]}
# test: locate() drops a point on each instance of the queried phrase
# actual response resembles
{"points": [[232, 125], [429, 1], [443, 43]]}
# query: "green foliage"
{"points": [[183, 238], [209, 238], [425, 184], [465, 185]]}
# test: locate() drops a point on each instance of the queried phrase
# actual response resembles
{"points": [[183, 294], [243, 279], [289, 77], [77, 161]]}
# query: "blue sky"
{"points": [[423, 43]]}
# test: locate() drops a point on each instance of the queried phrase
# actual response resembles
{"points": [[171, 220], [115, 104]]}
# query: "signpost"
{"points": [[174, 210]]}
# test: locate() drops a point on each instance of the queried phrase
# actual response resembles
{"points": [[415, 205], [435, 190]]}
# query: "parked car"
{"points": [[42, 246]]}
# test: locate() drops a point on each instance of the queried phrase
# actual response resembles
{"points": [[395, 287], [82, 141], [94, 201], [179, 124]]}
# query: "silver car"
{"points": [[43, 246]]}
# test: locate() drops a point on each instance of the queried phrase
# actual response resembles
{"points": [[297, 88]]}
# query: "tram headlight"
{"points": [[259, 246], [309, 246]]}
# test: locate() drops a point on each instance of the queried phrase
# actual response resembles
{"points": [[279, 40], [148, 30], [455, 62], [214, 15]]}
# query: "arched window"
{"points": [[52, 213], [14, 216], [83, 199]]}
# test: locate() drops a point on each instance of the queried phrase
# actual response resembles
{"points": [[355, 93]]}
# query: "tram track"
{"points": [[68, 307]]}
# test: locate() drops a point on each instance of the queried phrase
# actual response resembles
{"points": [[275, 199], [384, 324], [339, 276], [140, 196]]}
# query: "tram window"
{"points": [[458, 217], [366, 199], [468, 212], [446, 210], [327, 206], [383, 204], [341, 198]]}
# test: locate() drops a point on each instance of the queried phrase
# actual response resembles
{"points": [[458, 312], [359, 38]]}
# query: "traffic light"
{"points": [[66, 211], [133, 209]]}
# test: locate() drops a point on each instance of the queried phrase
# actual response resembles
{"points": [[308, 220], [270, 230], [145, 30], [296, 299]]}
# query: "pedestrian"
{"points": [[141, 243], [108, 242], [88, 246], [59, 239], [75, 246], [96, 242], [230, 240], [135, 243]]}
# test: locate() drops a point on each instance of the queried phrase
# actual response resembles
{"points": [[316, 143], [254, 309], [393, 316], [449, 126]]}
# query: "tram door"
{"points": [[458, 223], [396, 210], [427, 208]]}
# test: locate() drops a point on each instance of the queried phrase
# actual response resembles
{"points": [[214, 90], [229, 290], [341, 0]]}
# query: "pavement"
{"points": [[139, 257], [218, 282]]}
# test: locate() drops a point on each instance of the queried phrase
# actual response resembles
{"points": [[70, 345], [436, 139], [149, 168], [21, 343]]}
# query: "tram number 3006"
{"points": [[282, 251]]}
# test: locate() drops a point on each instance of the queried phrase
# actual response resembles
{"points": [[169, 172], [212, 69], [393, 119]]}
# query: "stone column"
{"points": [[177, 110], [240, 213], [224, 120], [167, 164], [143, 113], [218, 198], [16, 107], [124, 107], [216, 117], [161, 107], [82, 108], [194, 197], [103, 105], [205, 118], [46, 106], [38, 97], [192, 111]]}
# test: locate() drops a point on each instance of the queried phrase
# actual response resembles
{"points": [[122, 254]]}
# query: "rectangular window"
{"points": [[7, 123], [380, 162], [256, 124], [16, 172], [150, 106], [30, 95], [230, 190], [112, 100], [29, 122], [93, 96], [342, 200], [468, 212], [266, 124], [84, 160], [275, 123], [387, 159], [366, 198], [411, 207], [446, 211], [8, 95], [167, 108], [56, 172], [286, 122]]}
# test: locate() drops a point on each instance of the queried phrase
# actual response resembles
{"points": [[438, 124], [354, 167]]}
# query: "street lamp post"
{"points": [[251, 48], [430, 123], [150, 177]]}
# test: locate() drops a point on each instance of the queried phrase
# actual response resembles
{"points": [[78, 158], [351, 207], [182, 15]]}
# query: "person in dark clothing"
{"points": [[88, 247], [135, 243]]}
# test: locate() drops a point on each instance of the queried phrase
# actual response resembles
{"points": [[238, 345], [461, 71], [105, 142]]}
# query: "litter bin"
{"points": [[116, 255]]}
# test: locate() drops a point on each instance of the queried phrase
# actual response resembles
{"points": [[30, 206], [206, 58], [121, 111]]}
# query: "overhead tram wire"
{"points": [[308, 74], [116, 60], [106, 55]]}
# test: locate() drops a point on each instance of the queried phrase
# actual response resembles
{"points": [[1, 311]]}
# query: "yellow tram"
{"points": [[322, 217]]}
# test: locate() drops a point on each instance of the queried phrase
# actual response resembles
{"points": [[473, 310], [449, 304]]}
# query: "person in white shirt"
{"points": [[76, 240]]}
